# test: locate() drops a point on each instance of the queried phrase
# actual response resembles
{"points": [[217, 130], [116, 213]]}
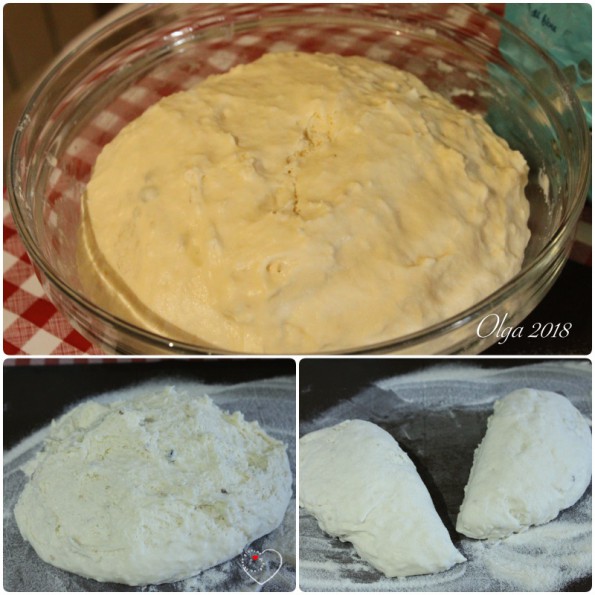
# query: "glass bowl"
{"points": [[111, 77]]}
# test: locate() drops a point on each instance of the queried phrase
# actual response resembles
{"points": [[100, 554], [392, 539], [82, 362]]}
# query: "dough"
{"points": [[152, 490], [534, 461], [302, 203], [362, 488]]}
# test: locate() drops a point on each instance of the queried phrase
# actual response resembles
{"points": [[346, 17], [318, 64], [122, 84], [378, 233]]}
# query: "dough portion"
{"points": [[362, 488], [533, 462], [301, 203], [152, 490]]}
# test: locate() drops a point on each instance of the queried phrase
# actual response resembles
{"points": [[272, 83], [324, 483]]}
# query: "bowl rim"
{"points": [[411, 340]]}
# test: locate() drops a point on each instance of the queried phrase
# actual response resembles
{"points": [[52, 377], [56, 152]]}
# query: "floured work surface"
{"points": [[439, 417], [270, 402]]}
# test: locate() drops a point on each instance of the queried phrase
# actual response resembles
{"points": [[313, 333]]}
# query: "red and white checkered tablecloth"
{"points": [[32, 325], [65, 361]]}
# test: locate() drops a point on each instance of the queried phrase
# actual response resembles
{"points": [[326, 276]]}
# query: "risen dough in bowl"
{"points": [[152, 490], [300, 203]]}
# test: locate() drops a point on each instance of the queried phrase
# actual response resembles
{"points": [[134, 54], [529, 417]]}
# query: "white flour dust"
{"points": [[439, 416], [271, 402]]}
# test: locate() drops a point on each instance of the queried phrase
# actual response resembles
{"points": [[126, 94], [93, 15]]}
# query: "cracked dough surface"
{"points": [[152, 490], [302, 202]]}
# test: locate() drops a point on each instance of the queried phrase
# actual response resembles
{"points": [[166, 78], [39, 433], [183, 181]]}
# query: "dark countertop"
{"points": [[60, 385], [568, 301]]}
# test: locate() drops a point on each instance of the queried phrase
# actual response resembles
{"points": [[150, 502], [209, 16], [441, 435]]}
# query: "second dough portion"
{"points": [[362, 488], [534, 461]]}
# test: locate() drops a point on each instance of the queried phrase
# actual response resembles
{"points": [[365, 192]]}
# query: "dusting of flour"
{"points": [[440, 415], [271, 402]]}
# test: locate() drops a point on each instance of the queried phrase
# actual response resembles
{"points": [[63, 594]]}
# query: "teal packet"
{"points": [[564, 32]]}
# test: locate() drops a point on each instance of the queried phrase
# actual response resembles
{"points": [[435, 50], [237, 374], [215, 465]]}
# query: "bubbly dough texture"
{"points": [[362, 488], [152, 490], [301, 203], [534, 461]]}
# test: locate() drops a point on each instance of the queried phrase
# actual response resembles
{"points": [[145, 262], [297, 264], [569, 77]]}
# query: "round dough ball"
{"points": [[152, 490]]}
